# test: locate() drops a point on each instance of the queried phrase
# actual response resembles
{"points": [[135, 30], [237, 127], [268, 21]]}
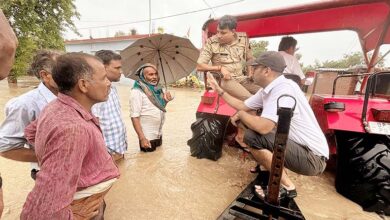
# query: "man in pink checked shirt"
{"points": [[76, 170]]}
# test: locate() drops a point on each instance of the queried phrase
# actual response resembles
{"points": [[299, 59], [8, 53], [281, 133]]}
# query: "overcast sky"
{"points": [[123, 15]]}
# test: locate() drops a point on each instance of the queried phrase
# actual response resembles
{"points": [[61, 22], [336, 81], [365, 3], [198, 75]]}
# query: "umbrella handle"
{"points": [[162, 69]]}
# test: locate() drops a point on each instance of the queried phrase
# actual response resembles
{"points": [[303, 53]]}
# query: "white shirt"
{"points": [[151, 117], [293, 66], [19, 112], [304, 128]]}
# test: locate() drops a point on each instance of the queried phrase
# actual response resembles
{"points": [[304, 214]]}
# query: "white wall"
{"points": [[91, 48]]}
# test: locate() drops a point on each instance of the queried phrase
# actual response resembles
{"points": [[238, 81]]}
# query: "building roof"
{"points": [[108, 39]]}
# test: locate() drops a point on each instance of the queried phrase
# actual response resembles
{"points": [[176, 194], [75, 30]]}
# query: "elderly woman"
{"points": [[147, 107]]}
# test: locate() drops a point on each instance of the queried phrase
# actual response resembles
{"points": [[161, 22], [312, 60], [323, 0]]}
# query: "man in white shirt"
{"points": [[287, 48], [24, 109], [307, 149], [147, 107]]}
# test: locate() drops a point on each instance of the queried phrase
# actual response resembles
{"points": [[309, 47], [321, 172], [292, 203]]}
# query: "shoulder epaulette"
{"points": [[214, 39], [241, 36]]}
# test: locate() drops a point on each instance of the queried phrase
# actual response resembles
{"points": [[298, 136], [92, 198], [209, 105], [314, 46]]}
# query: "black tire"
{"points": [[363, 166], [208, 132]]}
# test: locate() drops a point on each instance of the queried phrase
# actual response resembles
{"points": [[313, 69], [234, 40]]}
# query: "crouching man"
{"points": [[76, 169], [307, 149]]}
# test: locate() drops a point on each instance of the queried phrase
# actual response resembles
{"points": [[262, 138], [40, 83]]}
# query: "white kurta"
{"points": [[151, 117], [293, 66]]}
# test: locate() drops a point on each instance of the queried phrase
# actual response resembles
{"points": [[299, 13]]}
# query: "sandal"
{"points": [[283, 193]]}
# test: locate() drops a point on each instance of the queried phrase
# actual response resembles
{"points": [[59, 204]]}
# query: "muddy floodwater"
{"points": [[169, 183]]}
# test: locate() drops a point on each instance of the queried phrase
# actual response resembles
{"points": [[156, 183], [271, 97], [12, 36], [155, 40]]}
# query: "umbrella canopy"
{"points": [[175, 57]]}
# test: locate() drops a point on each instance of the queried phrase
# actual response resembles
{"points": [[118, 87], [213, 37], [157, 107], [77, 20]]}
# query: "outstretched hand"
{"points": [[168, 96], [235, 119], [213, 82]]}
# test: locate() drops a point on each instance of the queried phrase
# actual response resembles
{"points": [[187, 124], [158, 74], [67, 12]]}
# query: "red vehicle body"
{"points": [[356, 134], [347, 120]]}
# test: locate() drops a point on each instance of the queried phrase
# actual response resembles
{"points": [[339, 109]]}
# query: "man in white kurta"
{"points": [[147, 108], [151, 118], [287, 48]]}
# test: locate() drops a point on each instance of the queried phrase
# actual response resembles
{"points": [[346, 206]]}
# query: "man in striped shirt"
{"points": [[76, 170], [109, 112]]}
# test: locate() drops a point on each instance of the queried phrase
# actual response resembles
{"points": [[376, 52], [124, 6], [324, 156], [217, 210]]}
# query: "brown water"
{"points": [[169, 183]]}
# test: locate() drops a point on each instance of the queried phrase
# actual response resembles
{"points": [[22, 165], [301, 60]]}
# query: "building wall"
{"points": [[91, 48]]}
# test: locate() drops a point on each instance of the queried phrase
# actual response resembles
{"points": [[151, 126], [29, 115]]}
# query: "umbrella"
{"points": [[175, 57]]}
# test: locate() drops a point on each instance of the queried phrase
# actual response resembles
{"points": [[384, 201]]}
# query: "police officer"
{"points": [[228, 52]]}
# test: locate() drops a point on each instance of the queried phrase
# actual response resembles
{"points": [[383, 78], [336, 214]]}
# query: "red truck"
{"points": [[353, 109]]}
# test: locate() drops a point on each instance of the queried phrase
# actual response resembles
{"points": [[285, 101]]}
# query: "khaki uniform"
{"points": [[233, 57]]}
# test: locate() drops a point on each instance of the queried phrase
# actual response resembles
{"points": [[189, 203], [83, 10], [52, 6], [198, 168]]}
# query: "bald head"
{"points": [[151, 75]]}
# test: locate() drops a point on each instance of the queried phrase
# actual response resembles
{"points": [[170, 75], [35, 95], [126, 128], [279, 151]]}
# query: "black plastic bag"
{"points": [[207, 138]]}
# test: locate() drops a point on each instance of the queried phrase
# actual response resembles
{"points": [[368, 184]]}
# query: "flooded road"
{"points": [[169, 183]]}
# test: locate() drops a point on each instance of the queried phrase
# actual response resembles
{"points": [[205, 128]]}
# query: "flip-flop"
{"points": [[283, 193]]}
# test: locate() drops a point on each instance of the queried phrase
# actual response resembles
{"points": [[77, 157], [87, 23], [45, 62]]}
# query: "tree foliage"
{"points": [[133, 31], [119, 33], [348, 60], [258, 47], [160, 30], [38, 24]]}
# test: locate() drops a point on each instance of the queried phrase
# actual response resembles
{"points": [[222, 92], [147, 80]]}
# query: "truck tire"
{"points": [[208, 133], [363, 167]]}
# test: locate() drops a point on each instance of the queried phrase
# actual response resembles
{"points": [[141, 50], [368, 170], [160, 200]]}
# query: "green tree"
{"points": [[133, 31], [160, 30], [317, 64], [348, 60], [258, 47], [38, 24], [119, 33]]}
